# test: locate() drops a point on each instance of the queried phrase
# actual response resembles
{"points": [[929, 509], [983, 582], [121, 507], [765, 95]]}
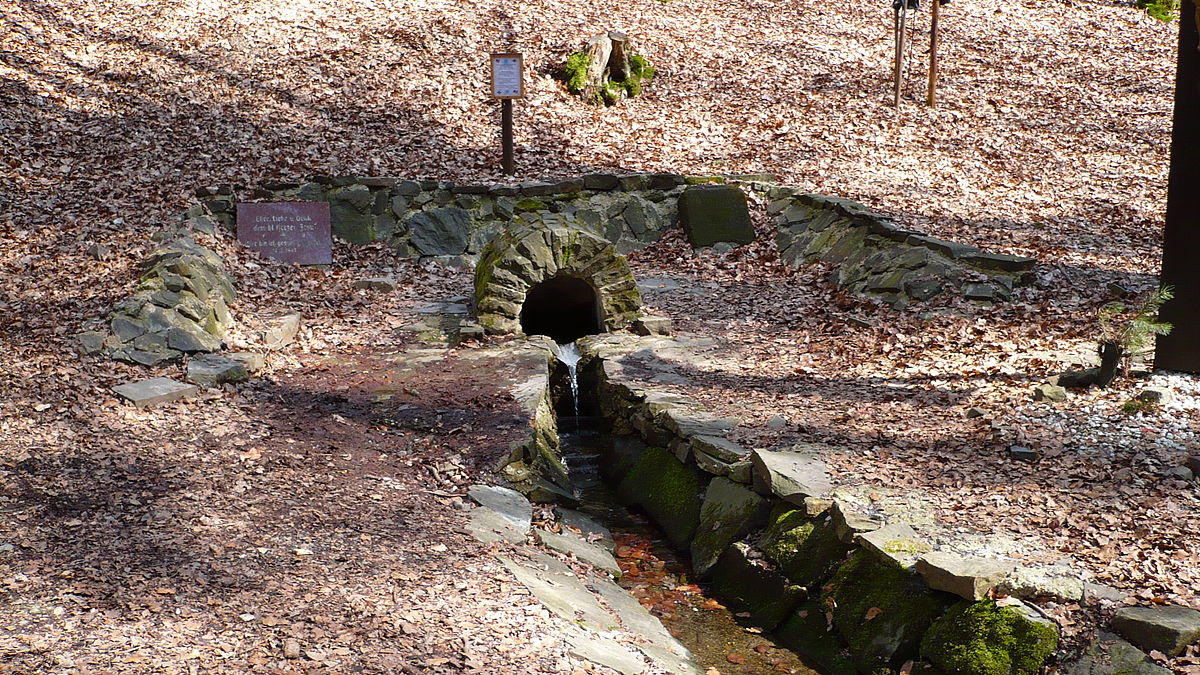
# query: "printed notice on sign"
{"points": [[294, 232], [506, 76]]}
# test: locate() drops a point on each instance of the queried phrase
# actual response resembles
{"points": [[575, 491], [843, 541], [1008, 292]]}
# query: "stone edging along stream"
{"points": [[847, 583]]}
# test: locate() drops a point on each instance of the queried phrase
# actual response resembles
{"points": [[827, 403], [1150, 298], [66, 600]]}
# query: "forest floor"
{"points": [[203, 535]]}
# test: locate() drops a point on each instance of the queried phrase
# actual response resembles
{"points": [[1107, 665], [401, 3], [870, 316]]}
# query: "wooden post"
{"points": [[1181, 235], [506, 136], [898, 74], [931, 98]]}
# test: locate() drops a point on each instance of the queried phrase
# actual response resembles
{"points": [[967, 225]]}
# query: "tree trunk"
{"points": [[598, 50], [618, 63]]}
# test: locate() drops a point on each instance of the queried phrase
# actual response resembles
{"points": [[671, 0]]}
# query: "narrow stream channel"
{"points": [[660, 578]]}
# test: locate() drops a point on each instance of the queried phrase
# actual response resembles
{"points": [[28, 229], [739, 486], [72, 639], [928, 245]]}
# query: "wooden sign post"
{"points": [[931, 98], [508, 83]]}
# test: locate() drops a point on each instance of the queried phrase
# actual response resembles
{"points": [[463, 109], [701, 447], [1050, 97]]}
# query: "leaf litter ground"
{"points": [[197, 537]]}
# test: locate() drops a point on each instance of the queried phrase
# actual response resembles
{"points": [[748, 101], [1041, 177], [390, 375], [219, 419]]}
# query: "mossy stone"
{"points": [[983, 639], [621, 456], [728, 513], [807, 633], [715, 213], [808, 552], [764, 594], [881, 611], [668, 491]]}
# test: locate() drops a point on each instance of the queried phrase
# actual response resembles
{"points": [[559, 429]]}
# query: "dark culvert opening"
{"points": [[564, 308]]}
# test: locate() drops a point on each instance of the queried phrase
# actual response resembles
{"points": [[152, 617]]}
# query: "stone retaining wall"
{"points": [[443, 220], [875, 256], [850, 589], [437, 218]]}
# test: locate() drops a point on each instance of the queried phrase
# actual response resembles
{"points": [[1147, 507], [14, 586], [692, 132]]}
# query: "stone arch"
{"points": [[532, 256]]}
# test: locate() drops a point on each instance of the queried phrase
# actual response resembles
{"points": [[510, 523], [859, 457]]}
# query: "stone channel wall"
{"points": [[846, 590], [875, 256]]}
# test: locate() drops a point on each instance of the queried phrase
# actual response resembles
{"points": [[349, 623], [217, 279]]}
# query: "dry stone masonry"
{"points": [[856, 585], [447, 221], [526, 255], [875, 256], [180, 306]]}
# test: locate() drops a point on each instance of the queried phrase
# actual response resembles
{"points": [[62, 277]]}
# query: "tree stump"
{"points": [[607, 69]]}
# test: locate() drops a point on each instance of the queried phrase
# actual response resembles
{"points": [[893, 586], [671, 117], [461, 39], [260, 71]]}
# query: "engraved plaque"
{"points": [[295, 232]]}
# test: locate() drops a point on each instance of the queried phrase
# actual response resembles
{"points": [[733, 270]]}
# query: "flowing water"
{"points": [[653, 573], [660, 578], [568, 355]]}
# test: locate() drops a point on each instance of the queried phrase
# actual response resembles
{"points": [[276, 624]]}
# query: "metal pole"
{"points": [[506, 135], [933, 64]]}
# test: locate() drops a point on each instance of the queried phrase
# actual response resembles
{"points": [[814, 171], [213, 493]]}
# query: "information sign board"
{"points": [[507, 79]]}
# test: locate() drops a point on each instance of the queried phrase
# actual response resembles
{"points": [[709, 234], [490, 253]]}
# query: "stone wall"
{"points": [[525, 255], [443, 220], [850, 588], [436, 218], [875, 256]]}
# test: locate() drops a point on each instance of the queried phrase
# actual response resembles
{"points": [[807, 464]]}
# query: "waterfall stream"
{"points": [[568, 354]]}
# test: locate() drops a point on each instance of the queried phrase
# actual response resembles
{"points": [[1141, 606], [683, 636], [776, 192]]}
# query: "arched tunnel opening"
{"points": [[564, 308]]}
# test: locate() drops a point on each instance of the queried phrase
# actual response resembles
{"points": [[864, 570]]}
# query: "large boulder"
{"points": [[715, 213]]}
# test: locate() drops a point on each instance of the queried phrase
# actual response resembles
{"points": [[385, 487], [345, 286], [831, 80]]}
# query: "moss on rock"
{"points": [[806, 551], [881, 611], [728, 513], [983, 639], [807, 633], [765, 594], [668, 490]]}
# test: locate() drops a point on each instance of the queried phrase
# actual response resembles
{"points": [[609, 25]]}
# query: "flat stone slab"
{"points": [[280, 331], [155, 391], [590, 529], [848, 524], [606, 652], [690, 423], [721, 448], [489, 527], [510, 505], [1168, 629], [214, 369], [790, 475], [966, 576], [895, 543], [556, 587], [1055, 581], [664, 649], [584, 552]]}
